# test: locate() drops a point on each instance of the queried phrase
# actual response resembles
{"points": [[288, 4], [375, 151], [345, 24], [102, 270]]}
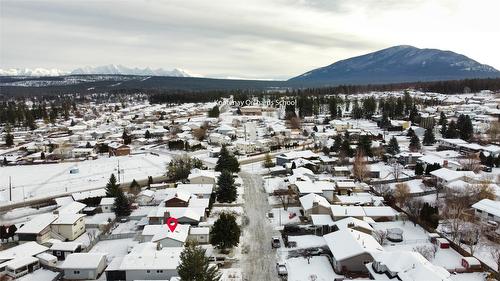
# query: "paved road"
{"points": [[259, 263]]}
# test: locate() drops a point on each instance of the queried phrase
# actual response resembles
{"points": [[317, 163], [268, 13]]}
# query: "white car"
{"points": [[281, 268]]}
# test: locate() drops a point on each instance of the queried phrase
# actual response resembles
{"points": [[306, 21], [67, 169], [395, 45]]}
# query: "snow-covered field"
{"points": [[38, 181]]}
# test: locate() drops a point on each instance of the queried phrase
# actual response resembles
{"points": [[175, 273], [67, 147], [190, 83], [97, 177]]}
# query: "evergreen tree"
{"points": [[147, 134], [414, 143], [11, 231], [195, 266], [126, 138], [429, 138], [365, 144], [180, 167], [393, 146], [452, 132], [134, 186], [385, 122], [225, 232], [112, 188], [346, 149], [227, 161], [464, 125], [443, 130], [336, 144], [268, 161], [325, 150], [121, 206], [414, 115], [9, 139], [419, 169], [214, 112], [3, 233], [410, 132], [443, 121], [226, 190]]}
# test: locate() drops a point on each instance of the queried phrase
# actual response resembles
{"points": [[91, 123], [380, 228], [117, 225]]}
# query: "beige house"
{"points": [[69, 226], [198, 176]]}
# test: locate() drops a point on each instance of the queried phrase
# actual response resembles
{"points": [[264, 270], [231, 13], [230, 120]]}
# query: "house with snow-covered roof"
{"points": [[164, 236], [68, 226], [314, 204], [405, 266], [146, 259], [83, 266], [351, 250], [198, 176], [487, 209], [37, 229]]}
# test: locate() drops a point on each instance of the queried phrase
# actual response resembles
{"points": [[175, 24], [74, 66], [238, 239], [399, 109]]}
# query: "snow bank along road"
{"points": [[259, 262]]}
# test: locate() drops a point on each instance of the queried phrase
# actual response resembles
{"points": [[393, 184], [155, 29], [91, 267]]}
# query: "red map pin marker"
{"points": [[172, 223]]}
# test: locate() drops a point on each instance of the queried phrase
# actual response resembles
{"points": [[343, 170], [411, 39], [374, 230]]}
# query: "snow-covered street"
{"points": [[258, 263]]}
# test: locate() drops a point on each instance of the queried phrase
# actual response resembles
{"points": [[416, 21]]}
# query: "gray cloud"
{"points": [[258, 39]]}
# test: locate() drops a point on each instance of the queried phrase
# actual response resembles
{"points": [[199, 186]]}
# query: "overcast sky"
{"points": [[272, 39]]}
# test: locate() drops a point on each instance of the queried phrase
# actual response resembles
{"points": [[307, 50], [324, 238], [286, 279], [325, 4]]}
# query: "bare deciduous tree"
{"points": [[295, 123], [401, 193], [359, 169], [494, 130], [471, 162], [413, 207], [382, 189], [427, 251], [495, 254], [200, 133], [396, 170], [380, 236], [284, 194]]}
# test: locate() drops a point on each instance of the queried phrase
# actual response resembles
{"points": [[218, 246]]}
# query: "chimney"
{"points": [[445, 163]]}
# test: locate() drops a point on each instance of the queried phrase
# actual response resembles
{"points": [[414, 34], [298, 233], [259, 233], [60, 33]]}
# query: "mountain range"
{"points": [[398, 64], [110, 69], [392, 65]]}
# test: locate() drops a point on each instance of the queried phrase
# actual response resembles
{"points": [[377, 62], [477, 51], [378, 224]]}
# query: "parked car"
{"points": [[219, 261], [281, 268], [275, 242]]}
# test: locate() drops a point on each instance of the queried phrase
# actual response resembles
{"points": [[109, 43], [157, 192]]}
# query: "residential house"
{"points": [[199, 234], [83, 266], [198, 176], [314, 204], [162, 235], [37, 229], [62, 249], [118, 149], [107, 204], [146, 261], [405, 266], [487, 209], [351, 250], [68, 226]]}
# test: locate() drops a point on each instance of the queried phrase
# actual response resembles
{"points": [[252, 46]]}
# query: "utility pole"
{"points": [[10, 188], [119, 179]]}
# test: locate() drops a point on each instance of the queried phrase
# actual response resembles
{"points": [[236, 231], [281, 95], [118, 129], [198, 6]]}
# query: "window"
{"points": [[147, 271], [159, 271], [76, 272]]}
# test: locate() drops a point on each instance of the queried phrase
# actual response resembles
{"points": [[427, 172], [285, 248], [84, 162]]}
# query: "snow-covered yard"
{"points": [[282, 217], [38, 181]]}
